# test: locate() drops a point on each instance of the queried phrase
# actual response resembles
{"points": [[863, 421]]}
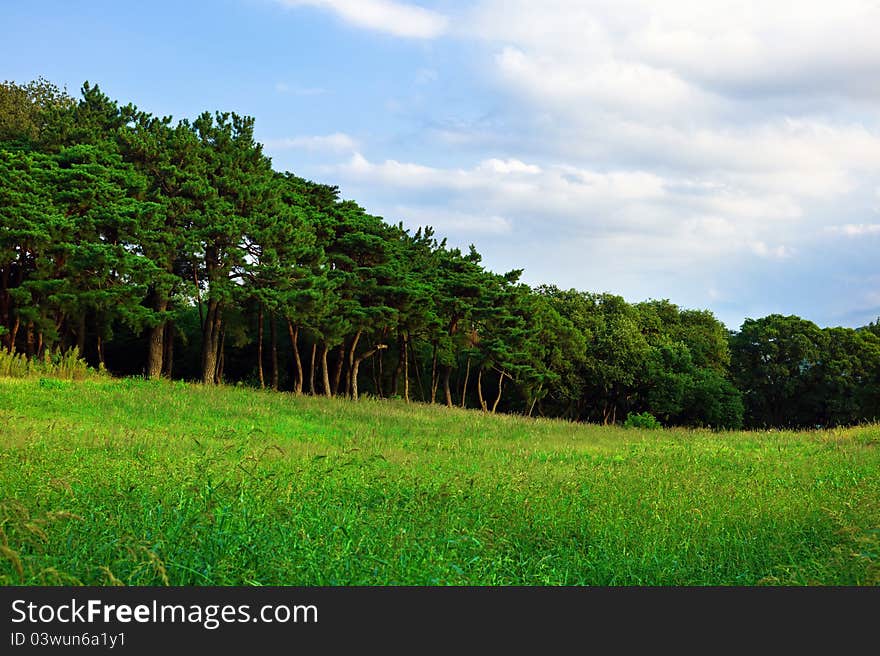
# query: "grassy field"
{"points": [[152, 483]]}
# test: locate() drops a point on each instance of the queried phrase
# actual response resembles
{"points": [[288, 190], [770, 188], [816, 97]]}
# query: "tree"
{"points": [[772, 362], [366, 281], [288, 273], [84, 266], [169, 159], [417, 261], [24, 109], [551, 344], [616, 354], [684, 381], [240, 189], [461, 289], [842, 387], [29, 220], [569, 394]]}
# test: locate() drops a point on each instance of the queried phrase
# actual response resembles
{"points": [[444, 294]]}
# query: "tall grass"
{"points": [[152, 483], [56, 364]]}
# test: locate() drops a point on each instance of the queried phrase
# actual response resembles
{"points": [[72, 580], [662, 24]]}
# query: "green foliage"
{"points": [[24, 108], [643, 420], [792, 373], [52, 384], [712, 401], [649, 357]]}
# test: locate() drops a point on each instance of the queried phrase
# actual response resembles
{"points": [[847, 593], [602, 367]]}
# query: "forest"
{"points": [[171, 248]]}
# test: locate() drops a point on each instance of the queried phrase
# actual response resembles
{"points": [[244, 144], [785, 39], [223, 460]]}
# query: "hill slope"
{"points": [[153, 483]]}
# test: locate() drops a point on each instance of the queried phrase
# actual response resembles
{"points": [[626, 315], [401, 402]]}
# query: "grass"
{"points": [[154, 483], [53, 365]]}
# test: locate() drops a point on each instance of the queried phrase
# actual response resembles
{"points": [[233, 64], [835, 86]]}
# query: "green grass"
{"points": [[153, 483], [53, 365]]}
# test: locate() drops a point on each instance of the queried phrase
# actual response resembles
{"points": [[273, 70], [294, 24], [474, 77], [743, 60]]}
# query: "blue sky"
{"points": [[723, 155]]}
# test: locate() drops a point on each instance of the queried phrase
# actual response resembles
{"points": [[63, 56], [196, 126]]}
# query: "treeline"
{"points": [[174, 249]]}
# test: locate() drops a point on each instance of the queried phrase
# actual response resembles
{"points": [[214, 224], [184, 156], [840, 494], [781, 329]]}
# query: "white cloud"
{"points": [[396, 18], [769, 46], [727, 45], [678, 149], [855, 229], [695, 84], [559, 190], [398, 174], [336, 142], [626, 88], [580, 202], [508, 166], [761, 249], [445, 221]]}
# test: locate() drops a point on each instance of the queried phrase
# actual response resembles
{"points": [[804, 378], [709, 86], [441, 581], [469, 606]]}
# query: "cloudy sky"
{"points": [[723, 155]]}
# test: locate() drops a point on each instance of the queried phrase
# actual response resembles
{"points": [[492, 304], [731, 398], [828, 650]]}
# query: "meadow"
{"points": [[135, 482]]}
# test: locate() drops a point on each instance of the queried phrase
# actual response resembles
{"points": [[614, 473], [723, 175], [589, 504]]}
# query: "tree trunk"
{"points": [[273, 337], [356, 365], [349, 386], [40, 344], [416, 366], [221, 358], [29, 344], [209, 358], [100, 347], [156, 351], [312, 369], [13, 334], [337, 373], [325, 372], [480, 390], [447, 391], [498, 398], [435, 378], [297, 363], [534, 401], [354, 381], [401, 358], [211, 341], [168, 356], [405, 370], [467, 373], [260, 347], [61, 331], [195, 271]]}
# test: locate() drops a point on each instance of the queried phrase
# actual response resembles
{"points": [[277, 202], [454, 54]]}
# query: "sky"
{"points": [[722, 155]]}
